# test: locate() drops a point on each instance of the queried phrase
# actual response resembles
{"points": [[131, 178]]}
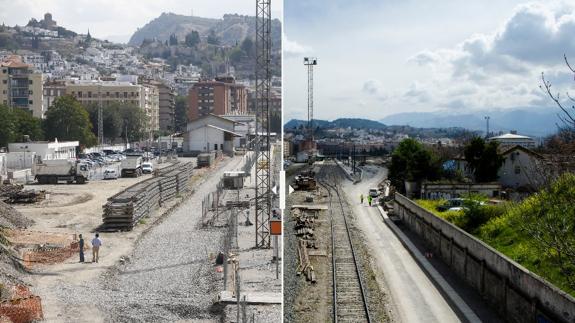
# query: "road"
{"points": [[414, 295]]}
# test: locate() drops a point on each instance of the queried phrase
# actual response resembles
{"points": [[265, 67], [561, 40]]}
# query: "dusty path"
{"points": [[415, 297]]}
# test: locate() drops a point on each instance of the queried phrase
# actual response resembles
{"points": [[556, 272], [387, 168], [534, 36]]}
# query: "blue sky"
{"points": [[117, 20], [378, 58]]}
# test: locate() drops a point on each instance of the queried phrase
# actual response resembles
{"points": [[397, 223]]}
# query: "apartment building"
{"points": [[146, 97], [20, 86], [221, 96]]}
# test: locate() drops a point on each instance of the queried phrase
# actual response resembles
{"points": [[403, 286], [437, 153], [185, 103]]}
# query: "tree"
{"points": [[26, 124], [16, 123], [568, 113], [549, 219], [7, 126], [248, 47], [181, 113], [192, 39], [411, 161], [111, 118], [173, 40], [482, 159], [134, 123], [213, 38], [68, 120]]}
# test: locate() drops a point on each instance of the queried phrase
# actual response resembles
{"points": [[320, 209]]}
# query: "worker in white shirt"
{"points": [[96, 243]]}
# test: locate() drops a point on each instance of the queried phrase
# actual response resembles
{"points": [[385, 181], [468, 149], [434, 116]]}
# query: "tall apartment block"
{"points": [[20, 86], [220, 97]]}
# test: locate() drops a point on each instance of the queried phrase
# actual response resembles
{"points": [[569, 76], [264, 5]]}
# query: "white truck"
{"points": [[54, 171], [132, 166]]}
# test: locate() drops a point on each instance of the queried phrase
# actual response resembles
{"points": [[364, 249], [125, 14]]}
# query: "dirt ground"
{"points": [[77, 209]]}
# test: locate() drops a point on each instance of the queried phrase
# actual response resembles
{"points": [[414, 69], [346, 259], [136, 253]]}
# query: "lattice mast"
{"points": [[310, 62], [263, 87]]}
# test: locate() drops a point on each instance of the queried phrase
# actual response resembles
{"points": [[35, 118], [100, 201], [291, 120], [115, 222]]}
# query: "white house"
{"points": [[210, 133], [46, 150], [521, 168], [245, 125], [512, 139]]}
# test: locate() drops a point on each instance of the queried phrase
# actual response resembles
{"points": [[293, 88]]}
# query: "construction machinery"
{"points": [[305, 181], [54, 171], [132, 166]]}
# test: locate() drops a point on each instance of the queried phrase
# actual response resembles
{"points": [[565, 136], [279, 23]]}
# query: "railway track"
{"points": [[349, 297]]}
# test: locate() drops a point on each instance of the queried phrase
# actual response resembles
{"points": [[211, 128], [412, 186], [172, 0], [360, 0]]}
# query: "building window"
{"points": [[29, 81], [125, 94], [89, 94], [29, 92], [30, 102], [3, 71], [4, 81], [215, 146], [79, 94], [517, 169]]}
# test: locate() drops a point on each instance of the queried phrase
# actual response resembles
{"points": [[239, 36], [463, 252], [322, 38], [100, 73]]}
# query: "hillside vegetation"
{"points": [[538, 233]]}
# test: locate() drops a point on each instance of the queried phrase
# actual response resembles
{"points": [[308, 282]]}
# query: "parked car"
{"points": [[147, 168], [457, 204], [110, 174], [373, 192]]}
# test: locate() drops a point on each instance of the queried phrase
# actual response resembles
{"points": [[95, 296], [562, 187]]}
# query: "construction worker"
{"points": [[361, 198], [81, 246], [369, 198]]}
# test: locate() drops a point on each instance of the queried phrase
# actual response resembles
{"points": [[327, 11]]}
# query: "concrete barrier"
{"points": [[516, 293]]}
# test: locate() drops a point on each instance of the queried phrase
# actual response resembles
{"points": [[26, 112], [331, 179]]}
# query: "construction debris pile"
{"points": [[125, 209], [304, 230], [10, 218], [14, 193], [304, 266]]}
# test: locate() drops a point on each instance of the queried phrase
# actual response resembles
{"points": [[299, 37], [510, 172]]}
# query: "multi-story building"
{"points": [[107, 92], [20, 87], [167, 106], [220, 97], [52, 91], [150, 103]]}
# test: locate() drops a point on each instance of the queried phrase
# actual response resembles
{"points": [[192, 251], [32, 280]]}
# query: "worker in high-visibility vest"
{"points": [[369, 199]]}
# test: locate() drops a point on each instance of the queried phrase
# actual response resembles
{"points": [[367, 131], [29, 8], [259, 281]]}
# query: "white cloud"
{"points": [[292, 48], [372, 87]]}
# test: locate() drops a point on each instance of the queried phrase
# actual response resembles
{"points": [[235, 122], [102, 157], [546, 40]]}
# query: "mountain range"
{"points": [[529, 121], [535, 122]]}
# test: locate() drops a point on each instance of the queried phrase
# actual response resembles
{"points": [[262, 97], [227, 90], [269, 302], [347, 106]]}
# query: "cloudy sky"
{"points": [[117, 20], [377, 58]]}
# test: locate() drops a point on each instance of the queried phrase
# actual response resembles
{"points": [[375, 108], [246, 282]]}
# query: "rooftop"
{"points": [[510, 136]]}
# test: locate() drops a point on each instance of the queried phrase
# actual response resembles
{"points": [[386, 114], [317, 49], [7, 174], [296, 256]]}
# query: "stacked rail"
{"points": [[124, 210]]}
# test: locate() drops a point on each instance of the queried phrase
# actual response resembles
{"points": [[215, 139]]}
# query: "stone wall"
{"points": [[516, 293]]}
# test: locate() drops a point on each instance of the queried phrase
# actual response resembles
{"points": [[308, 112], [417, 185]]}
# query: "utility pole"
{"points": [[100, 117], [310, 62], [263, 86], [487, 126]]}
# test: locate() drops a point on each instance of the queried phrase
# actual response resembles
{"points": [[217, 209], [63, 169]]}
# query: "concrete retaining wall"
{"points": [[516, 293]]}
